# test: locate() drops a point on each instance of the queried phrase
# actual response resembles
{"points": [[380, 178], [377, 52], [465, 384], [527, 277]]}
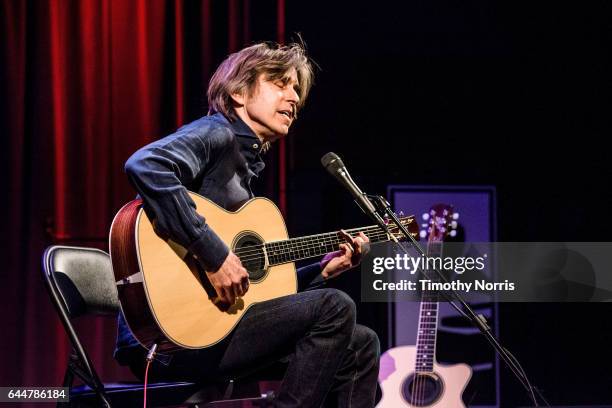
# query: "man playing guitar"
{"points": [[253, 98]]}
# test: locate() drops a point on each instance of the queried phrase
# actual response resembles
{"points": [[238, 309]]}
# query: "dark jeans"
{"points": [[332, 360]]}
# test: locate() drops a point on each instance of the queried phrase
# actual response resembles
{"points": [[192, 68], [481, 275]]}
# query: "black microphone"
{"points": [[333, 164]]}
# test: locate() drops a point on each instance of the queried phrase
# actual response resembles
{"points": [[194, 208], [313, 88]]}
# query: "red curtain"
{"points": [[85, 83]]}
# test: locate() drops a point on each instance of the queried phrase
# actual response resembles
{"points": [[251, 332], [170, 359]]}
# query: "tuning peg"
{"points": [[455, 216], [453, 233], [453, 224], [423, 234], [425, 216], [401, 213]]}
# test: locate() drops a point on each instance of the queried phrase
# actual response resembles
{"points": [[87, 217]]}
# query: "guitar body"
{"points": [[441, 388], [165, 295]]}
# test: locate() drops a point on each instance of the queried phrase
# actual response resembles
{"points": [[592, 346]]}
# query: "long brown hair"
{"points": [[239, 73]]}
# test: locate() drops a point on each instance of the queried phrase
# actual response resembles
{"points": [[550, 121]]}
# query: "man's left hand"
{"points": [[348, 256]]}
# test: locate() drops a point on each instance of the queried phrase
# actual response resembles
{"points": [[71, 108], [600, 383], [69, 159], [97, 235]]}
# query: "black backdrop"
{"points": [[511, 94]]}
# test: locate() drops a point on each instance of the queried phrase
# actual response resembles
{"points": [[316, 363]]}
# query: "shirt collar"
{"points": [[250, 145], [246, 137], [238, 126]]}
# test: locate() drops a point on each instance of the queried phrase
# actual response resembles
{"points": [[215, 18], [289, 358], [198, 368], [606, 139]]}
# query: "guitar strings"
{"points": [[307, 249], [433, 301], [287, 257], [255, 261], [286, 246], [314, 239], [329, 235], [307, 252]]}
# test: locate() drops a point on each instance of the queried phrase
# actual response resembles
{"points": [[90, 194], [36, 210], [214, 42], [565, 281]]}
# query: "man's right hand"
{"points": [[231, 280]]}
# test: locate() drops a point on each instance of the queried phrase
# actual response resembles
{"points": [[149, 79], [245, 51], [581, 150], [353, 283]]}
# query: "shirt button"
{"points": [[255, 146]]}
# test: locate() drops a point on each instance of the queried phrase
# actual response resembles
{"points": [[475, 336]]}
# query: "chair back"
{"points": [[81, 280]]}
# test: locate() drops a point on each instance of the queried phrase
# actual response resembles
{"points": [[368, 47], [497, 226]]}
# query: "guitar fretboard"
{"points": [[428, 319], [296, 249], [291, 250]]}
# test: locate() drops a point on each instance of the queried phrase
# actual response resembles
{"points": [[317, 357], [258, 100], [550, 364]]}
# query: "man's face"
{"points": [[270, 110]]}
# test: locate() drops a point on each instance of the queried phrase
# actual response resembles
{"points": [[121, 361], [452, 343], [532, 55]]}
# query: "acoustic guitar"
{"points": [[410, 375], [164, 292]]}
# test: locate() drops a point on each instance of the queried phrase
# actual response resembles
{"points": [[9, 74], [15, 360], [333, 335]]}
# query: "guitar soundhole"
{"points": [[249, 250], [422, 389]]}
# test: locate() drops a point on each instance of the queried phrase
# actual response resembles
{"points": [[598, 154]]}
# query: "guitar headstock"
{"points": [[407, 221], [440, 222]]}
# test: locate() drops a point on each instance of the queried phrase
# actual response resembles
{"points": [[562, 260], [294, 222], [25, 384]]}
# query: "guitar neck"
{"points": [[428, 319], [296, 249]]}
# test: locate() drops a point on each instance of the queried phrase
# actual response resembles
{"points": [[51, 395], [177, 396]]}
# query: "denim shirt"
{"points": [[210, 156], [213, 157]]}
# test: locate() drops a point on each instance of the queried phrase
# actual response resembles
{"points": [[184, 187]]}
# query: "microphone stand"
{"points": [[383, 208]]}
